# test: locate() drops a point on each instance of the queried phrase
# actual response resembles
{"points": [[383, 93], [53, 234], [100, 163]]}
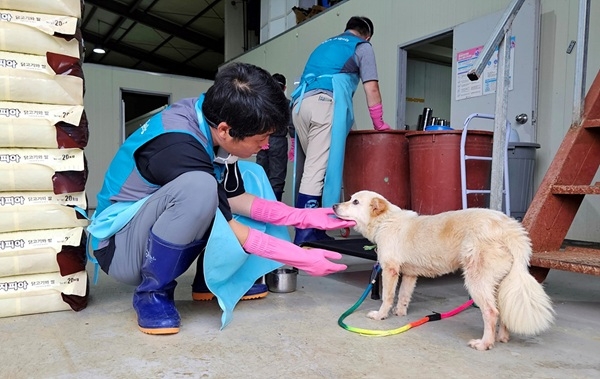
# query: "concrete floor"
{"points": [[296, 335]]}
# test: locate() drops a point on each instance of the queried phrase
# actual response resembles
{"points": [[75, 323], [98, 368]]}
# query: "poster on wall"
{"points": [[490, 72], [466, 60], [486, 84]]}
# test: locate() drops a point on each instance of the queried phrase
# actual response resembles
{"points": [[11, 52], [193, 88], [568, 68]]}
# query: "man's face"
{"points": [[246, 147]]}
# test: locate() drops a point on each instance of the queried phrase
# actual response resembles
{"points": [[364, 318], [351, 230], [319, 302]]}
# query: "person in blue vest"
{"points": [[323, 115], [175, 184]]}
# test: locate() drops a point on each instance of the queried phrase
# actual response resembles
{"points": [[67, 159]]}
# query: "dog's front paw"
{"points": [[400, 311], [376, 315], [480, 345], [503, 335]]}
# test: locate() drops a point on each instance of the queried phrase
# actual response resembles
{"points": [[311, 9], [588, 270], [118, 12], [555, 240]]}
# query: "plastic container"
{"points": [[282, 280], [378, 161], [432, 128], [521, 166], [434, 158]]}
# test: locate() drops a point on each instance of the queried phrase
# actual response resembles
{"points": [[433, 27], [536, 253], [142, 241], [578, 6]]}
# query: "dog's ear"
{"points": [[378, 206]]}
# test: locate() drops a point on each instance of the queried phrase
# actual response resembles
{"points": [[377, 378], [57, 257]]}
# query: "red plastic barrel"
{"points": [[378, 161], [434, 158]]}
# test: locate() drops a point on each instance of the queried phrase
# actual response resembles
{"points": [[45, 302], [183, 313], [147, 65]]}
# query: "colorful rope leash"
{"points": [[382, 333]]}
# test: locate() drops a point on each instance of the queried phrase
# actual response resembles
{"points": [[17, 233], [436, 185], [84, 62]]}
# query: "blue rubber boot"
{"points": [[321, 235], [310, 234], [200, 291], [153, 299]]}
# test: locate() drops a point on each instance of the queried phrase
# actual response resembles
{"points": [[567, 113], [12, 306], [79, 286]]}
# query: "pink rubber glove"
{"points": [[277, 213], [376, 113], [314, 261], [291, 153]]}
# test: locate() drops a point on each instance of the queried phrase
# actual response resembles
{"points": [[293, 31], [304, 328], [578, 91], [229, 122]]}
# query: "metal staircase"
{"points": [[561, 192]]}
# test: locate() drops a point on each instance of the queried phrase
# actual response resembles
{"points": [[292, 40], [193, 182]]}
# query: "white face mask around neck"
{"points": [[223, 157]]}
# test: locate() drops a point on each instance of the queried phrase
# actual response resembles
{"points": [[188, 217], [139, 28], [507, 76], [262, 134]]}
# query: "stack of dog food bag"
{"points": [[43, 130]]}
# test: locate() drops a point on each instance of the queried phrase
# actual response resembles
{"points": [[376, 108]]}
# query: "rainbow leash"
{"points": [[382, 333]]}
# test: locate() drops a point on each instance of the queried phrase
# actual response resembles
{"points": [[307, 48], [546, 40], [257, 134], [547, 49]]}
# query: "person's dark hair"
{"points": [[248, 99], [361, 24], [280, 79]]}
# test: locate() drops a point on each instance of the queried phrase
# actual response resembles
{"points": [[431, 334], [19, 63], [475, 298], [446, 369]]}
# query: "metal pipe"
{"points": [[498, 149], [583, 24], [499, 32]]}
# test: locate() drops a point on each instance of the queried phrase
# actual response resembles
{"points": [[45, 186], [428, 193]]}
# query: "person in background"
{"points": [[176, 181], [274, 159], [323, 114]]}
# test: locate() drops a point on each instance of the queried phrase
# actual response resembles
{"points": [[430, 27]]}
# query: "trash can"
{"points": [[521, 167], [434, 160], [378, 161]]}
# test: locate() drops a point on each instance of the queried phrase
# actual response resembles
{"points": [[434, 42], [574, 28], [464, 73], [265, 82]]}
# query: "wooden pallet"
{"points": [[555, 204]]}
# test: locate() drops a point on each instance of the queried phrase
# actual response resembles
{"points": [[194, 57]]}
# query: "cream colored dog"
{"points": [[492, 249]]}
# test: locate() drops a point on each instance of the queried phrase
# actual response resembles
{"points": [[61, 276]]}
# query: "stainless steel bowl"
{"points": [[282, 280]]}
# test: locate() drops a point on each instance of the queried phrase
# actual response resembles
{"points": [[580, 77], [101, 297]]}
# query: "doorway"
{"points": [[138, 106], [428, 79]]}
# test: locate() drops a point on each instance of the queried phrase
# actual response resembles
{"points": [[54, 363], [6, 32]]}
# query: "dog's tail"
{"points": [[524, 306]]}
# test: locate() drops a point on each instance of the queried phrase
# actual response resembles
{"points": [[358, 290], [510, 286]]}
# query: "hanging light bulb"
{"points": [[98, 49]]}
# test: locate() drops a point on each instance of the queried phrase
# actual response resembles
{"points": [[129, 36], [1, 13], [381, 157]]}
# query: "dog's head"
{"points": [[364, 208]]}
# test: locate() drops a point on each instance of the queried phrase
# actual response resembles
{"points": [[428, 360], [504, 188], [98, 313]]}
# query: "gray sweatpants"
{"points": [[180, 212]]}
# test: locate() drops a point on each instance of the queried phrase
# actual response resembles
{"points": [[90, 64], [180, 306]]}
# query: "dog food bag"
{"points": [[41, 210], [51, 79], [57, 170], [40, 293], [68, 136], [34, 114], [57, 7], [61, 135], [42, 125], [38, 33], [42, 251], [12, 199]]}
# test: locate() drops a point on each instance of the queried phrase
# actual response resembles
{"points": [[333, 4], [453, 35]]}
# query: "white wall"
{"points": [[102, 104], [395, 22], [234, 30], [276, 16], [400, 22]]}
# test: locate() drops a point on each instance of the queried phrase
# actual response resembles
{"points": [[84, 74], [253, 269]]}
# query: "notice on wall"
{"points": [[490, 72], [465, 61], [486, 84]]}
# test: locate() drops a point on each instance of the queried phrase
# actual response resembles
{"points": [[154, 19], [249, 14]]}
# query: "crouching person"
{"points": [[177, 176]]}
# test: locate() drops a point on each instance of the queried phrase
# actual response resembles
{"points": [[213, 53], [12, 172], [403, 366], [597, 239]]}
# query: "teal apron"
{"points": [[229, 271]]}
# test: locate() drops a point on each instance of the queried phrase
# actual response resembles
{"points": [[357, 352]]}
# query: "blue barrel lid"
{"points": [[430, 128]]}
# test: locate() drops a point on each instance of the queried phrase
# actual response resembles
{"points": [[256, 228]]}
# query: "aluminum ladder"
{"points": [[464, 158]]}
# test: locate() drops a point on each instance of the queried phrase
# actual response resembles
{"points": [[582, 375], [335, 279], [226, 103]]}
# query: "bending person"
{"points": [[323, 114], [173, 180]]}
